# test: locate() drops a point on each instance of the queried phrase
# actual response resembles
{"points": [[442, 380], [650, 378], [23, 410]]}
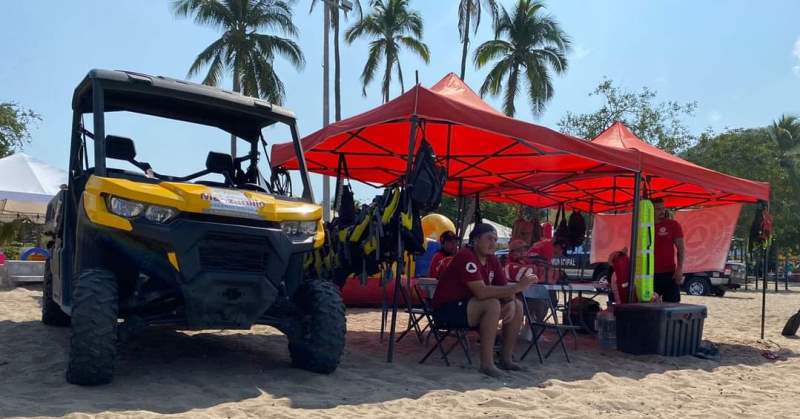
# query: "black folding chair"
{"points": [[538, 327], [426, 288], [419, 316]]}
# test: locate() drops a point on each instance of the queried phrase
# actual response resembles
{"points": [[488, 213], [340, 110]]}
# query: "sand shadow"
{"points": [[172, 372]]}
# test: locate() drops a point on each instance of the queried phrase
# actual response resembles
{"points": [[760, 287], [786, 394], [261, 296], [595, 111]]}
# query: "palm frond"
{"points": [[208, 55], [491, 50], [204, 12], [286, 48], [494, 80], [373, 60], [416, 46]]}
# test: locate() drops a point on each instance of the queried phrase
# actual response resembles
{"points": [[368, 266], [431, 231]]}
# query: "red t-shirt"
{"points": [[666, 233], [543, 248], [516, 271], [436, 262], [622, 269], [465, 267]]}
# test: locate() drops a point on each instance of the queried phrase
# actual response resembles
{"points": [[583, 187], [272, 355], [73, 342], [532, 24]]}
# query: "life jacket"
{"points": [[427, 180]]}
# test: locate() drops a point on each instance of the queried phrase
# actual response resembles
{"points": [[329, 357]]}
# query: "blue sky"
{"points": [[739, 61]]}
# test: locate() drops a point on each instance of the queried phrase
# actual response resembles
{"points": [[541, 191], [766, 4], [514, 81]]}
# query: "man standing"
{"points": [[668, 276]]}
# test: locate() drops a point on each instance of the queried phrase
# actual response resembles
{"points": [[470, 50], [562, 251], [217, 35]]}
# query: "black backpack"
{"points": [[562, 228], [427, 180], [577, 228]]}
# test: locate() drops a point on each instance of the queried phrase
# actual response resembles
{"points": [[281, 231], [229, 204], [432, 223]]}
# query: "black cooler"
{"points": [[665, 329]]}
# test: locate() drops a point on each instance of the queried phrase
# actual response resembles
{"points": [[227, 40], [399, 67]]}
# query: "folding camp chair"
{"points": [[538, 327], [426, 288], [419, 317]]}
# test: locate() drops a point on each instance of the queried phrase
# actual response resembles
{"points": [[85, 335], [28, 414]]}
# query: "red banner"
{"points": [[707, 233]]}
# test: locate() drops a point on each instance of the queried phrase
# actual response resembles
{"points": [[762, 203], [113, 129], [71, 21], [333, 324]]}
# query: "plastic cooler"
{"points": [[665, 329]]}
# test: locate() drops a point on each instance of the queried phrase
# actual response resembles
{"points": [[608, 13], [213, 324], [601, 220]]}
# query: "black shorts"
{"points": [[452, 315], [665, 286]]}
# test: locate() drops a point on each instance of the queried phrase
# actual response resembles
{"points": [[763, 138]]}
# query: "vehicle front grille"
{"points": [[221, 252]]}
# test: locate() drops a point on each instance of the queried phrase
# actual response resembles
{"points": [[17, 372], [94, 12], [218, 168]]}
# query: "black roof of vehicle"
{"points": [[235, 113]]}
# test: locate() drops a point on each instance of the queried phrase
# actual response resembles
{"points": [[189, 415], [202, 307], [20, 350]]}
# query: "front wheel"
{"points": [[319, 345], [93, 345], [698, 286]]}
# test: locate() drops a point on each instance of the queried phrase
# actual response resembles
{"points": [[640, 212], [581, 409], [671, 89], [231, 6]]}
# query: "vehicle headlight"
{"points": [[124, 207], [132, 209], [299, 231], [159, 214]]}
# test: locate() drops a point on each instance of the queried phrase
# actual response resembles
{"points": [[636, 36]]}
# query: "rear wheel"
{"points": [[52, 315], [319, 345], [93, 345], [719, 291], [698, 286]]}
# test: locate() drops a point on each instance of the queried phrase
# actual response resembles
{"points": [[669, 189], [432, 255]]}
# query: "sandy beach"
{"points": [[234, 374]]}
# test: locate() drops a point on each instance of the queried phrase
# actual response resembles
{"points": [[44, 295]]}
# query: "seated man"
{"points": [[473, 291], [621, 276], [449, 247]]}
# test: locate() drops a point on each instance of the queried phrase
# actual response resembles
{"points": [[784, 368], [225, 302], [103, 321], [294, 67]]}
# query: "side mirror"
{"points": [[220, 163], [120, 148]]}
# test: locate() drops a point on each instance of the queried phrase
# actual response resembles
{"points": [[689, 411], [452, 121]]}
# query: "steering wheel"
{"points": [[281, 181]]}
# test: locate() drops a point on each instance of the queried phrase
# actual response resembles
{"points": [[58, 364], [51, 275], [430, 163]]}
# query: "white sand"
{"points": [[216, 374]]}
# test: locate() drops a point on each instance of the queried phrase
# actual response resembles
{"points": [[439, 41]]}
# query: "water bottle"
{"points": [[607, 329]]}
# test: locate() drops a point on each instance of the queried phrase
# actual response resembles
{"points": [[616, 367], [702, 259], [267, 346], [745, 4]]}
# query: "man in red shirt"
{"points": [[449, 246], [668, 276], [473, 291]]}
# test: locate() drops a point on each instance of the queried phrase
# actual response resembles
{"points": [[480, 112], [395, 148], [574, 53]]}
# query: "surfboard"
{"points": [[645, 256]]}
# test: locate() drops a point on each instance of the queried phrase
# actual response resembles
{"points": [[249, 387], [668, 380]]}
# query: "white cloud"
{"points": [[714, 116], [796, 53], [580, 52]]}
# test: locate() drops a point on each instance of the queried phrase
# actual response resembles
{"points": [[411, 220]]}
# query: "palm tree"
{"points": [[469, 15], [337, 66], [392, 26], [527, 40], [247, 54], [786, 134]]}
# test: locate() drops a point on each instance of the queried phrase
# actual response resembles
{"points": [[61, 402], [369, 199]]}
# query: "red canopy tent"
{"points": [[679, 182], [480, 147]]}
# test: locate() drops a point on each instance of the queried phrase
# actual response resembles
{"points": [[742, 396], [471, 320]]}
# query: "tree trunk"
{"points": [[465, 49], [337, 88], [236, 88]]}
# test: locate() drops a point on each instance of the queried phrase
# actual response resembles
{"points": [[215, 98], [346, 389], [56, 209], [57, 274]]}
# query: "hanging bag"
{"points": [[427, 179]]}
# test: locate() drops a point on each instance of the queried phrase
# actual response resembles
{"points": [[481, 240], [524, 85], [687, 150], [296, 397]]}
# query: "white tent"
{"points": [[26, 186], [503, 232]]}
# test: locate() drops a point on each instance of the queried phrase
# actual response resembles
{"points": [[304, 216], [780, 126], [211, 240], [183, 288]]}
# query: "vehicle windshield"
{"points": [[170, 150]]}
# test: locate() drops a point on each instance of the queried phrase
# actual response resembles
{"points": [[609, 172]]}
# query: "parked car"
{"points": [[715, 282]]}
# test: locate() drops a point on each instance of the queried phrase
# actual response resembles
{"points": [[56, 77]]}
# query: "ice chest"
{"points": [[668, 329]]}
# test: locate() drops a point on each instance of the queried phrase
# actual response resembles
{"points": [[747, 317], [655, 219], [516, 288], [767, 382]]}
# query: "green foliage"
{"points": [[753, 154], [15, 126], [392, 27], [660, 124], [249, 55], [528, 46]]}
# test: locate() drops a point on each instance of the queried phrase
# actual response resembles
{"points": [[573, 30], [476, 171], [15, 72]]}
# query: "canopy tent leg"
{"points": [[634, 232], [765, 271], [412, 140]]}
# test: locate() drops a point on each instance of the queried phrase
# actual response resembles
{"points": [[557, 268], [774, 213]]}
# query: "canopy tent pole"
{"points": [[478, 216], [412, 140], [765, 269], [634, 232]]}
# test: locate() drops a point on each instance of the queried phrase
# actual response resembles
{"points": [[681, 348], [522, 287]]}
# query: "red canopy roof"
{"points": [[481, 147], [678, 181]]}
